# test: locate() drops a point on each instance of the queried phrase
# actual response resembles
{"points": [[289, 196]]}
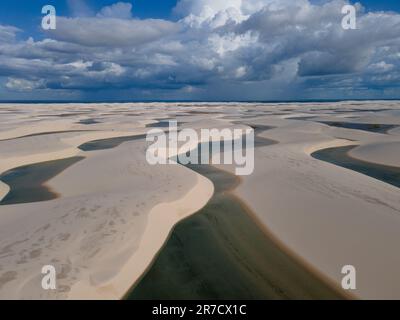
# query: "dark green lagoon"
{"points": [[370, 127], [27, 183], [108, 143], [221, 253], [340, 156], [47, 134]]}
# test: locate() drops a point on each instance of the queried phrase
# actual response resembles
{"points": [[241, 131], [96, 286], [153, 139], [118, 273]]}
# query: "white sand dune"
{"points": [[115, 211], [386, 153]]}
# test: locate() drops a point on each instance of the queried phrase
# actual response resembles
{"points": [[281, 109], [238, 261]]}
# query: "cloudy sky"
{"points": [[199, 50]]}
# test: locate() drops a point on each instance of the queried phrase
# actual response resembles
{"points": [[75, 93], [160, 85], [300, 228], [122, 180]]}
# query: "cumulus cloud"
{"points": [[266, 47], [119, 10], [23, 84], [110, 32], [8, 33]]}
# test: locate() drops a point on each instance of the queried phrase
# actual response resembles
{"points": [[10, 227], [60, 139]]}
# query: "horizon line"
{"points": [[190, 101]]}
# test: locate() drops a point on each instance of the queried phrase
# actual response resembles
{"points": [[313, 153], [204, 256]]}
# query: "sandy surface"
{"points": [[115, 211], [114, 214], [386, 153]]}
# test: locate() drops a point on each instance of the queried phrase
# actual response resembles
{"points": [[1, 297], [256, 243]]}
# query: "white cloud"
{"points": [[119, 10], [23, 84], [111, 32], [286, 45], [8, 33], [381, 67]]}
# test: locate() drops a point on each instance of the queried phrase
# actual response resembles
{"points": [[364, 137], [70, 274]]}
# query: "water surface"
{"points": [[88, 121], [109, 143], [370, 127], [46, 134], [27, 183], [221, 253], [340, 157]]}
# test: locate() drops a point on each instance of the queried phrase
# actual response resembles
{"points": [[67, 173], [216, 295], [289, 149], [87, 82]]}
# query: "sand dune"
{"points": [[115, 211]]}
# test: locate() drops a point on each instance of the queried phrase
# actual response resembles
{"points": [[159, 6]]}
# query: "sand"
{"points": [[386, 153], [115, 211]]}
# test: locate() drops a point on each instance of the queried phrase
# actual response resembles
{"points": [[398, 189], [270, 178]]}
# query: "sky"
{"points": [[208, 50]]}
